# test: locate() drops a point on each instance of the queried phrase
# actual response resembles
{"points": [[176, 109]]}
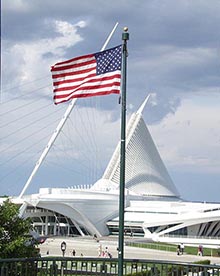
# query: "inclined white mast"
{"points": [[58, 129]]}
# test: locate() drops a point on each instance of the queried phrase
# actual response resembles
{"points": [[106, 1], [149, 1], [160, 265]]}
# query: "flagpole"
{"points": [[125, 37]]}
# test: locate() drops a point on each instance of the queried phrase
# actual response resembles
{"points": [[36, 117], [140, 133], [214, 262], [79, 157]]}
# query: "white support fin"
{"points": [[58, 129], [141, 108], [145, 172]]}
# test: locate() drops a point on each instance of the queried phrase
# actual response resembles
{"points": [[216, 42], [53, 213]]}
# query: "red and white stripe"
{"points": [[76, 78]]}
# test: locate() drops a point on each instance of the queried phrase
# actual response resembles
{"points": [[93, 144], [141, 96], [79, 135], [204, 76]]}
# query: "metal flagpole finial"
{"points": [[125, 34]]}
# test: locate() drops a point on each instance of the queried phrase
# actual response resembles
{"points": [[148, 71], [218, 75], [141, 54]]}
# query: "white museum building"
{"points": [[154, 208]]}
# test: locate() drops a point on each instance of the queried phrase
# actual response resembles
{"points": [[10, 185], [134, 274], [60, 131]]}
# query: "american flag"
{"points": [[86, 76]]}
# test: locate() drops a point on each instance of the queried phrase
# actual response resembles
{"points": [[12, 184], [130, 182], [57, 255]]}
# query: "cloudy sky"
{"points": [[174, 54]]}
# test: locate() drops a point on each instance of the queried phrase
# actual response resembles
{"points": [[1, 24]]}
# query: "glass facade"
{"points": [[47, 222]]}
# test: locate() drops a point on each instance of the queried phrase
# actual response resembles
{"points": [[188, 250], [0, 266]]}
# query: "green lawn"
{"points": [[170, 247]]}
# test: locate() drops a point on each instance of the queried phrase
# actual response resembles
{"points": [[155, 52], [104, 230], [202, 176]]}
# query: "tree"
{"points": [[15, 241]]}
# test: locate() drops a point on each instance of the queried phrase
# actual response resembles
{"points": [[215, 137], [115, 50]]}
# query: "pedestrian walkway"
{"points": [[89, 247]]}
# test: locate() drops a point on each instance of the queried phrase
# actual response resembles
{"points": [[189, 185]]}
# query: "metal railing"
{"points": [[61, 266], [191, 237]]}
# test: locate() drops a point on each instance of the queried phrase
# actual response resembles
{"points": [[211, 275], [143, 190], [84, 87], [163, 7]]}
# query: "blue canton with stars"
{"points": [[109, 60]]}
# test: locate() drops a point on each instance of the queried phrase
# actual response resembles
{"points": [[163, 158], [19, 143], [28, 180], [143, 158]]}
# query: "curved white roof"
{"points": [[145, 177], [145, 172]]}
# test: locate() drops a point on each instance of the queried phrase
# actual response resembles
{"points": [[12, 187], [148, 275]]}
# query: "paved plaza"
{"points": [[89, 247]]}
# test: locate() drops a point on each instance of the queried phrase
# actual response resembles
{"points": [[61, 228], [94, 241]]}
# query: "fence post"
{"points": [[54, 269], [103, 268]]}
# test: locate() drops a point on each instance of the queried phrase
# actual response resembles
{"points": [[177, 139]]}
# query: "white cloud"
{"points": [[177, 56], [165, 58], [190, 138], [34, 58], [153, 99]]}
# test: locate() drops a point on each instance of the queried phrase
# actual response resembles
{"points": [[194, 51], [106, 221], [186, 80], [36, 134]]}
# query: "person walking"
{"points": [[182, 248], [178, 249]]}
